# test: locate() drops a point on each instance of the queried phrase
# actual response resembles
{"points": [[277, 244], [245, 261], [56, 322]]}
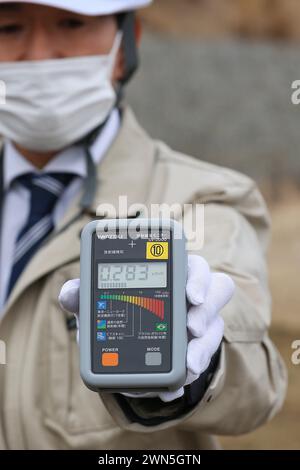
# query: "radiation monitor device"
{"points": [[133, 314]]}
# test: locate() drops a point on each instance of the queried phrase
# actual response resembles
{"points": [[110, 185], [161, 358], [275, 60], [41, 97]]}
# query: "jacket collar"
{"points": [[124, 171]]}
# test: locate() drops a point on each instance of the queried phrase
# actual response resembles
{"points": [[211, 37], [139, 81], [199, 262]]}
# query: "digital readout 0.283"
{"points": [[132, 275]]}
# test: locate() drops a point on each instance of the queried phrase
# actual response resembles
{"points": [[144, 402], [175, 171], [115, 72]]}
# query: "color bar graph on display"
{"points": [[155, 306]]}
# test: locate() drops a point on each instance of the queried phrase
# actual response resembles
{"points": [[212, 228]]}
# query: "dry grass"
{"points": [[278, 19]]}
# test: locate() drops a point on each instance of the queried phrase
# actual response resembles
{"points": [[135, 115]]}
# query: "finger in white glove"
{"points": [[69, 300], [170, 396], [202, 315], [201, 350], [198, 279], [164, 396], [69, 296]]}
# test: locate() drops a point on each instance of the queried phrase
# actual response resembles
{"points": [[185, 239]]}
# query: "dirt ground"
{"points": [[284, 431]]}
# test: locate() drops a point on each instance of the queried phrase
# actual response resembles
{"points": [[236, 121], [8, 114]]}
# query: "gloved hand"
{"points": [[207, 293]]}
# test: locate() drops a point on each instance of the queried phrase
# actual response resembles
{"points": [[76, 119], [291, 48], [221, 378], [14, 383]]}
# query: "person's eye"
{"points": [[71, 23], [12, 28]]}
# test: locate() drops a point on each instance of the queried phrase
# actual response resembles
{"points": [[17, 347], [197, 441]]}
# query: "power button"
{"points": [[110, 359]]}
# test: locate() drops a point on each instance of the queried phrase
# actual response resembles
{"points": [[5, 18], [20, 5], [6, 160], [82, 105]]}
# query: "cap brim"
{"points": [[88, 7]]}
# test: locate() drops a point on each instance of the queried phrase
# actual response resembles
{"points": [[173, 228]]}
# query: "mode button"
{"points": [[153, 359]]}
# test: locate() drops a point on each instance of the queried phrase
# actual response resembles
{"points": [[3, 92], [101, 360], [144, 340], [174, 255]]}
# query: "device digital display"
{"points": [[132, 275]]}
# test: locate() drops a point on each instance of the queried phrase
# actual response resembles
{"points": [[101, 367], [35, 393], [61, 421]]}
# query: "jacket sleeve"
{"points": [[249, 383]]}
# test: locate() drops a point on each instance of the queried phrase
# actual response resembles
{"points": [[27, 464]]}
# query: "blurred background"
{"points": [[218, 73]]}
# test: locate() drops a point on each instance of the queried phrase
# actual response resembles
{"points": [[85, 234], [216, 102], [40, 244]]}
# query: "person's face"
{"points": [[35, 32]]}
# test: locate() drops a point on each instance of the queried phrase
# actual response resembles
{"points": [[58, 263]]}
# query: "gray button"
{"points": [[153, 359]]}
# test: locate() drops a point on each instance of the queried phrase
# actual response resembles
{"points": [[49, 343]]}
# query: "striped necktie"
{"points": [[45, 191]]}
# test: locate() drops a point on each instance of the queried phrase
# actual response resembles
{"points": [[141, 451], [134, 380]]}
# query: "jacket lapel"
{"points": [[125, 171]]}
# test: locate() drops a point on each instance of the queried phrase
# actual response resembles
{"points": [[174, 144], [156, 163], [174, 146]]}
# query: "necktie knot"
{"points": [[54, 183], [45, 190]]}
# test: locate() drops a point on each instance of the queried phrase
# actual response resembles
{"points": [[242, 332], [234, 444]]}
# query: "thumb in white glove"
{"points": [[69, 299]]}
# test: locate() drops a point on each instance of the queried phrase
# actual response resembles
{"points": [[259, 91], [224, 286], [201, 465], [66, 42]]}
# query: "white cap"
{"points": [[89, 7]]}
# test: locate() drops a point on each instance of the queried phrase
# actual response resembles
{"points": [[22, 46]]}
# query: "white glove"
{"points": [[207, 293]]}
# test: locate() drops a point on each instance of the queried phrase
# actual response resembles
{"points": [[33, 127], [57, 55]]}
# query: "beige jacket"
{"points": [[43, 402]]}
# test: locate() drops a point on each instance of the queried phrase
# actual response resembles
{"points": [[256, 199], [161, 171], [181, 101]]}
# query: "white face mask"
{"points": [[52, 104]]}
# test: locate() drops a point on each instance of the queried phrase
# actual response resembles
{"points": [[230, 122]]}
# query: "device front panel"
{"points": [[131, 328]]}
